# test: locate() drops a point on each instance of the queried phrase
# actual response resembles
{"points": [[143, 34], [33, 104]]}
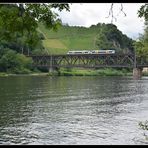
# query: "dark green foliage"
{"points": [[109, 37], [143, 12], [13, 62], [18, 29], [141, 46], [19, 22], [41, 36]]}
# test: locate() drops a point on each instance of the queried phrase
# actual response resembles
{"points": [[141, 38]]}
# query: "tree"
{"points": [[111, 12], [109, 37], [20, 17], [143, 12], [19, 34], [14, 62], [141, 46], [22, 20]]}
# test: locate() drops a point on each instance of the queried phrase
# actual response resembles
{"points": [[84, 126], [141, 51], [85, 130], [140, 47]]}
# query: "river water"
{"points": [[72, 110]]}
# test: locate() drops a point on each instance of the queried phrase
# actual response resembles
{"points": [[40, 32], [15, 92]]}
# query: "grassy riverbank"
{"points": [[145, 73], [30, 74], [78, 72], [2, 74], [90, 72]]}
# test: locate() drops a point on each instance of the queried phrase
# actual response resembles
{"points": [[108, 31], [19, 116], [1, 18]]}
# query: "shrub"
{"points": [[12, 62]]}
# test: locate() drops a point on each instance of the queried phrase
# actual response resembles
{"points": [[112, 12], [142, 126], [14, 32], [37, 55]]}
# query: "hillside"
{"points": [[70, 38]]}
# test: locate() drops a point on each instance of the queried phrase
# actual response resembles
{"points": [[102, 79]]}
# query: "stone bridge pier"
{"points": [[137, 73]]}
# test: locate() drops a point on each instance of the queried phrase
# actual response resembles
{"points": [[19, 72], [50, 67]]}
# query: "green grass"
{"points": [[2, 74], [145, 73], [68, 38], [54, 46], [90, 72], [30, 74]]}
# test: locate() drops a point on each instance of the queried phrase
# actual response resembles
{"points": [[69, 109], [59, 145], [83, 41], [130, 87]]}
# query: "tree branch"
{"points": [[111, 12]]}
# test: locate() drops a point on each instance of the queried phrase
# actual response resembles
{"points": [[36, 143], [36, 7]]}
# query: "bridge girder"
{"points": [[89, 61]]}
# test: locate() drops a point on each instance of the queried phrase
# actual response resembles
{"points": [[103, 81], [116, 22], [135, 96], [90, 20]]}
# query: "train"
{"points": [[91, 52]]}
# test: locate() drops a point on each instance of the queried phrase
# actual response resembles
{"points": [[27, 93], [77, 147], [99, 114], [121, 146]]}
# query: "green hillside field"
{"points": [[68, 38]]}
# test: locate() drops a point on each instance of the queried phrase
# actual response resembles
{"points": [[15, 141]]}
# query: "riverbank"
{"points": [[78, 72], [145, 73], [30, 74], [90, 72]]}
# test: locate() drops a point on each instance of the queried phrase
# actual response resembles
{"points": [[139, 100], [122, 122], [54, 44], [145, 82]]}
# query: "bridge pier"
{"points": [[137, 73], [51, 69]]}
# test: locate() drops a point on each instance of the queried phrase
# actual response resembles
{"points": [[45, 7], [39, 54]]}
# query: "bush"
{"points": [[110, 72], [41, 36], [144, 125], [13, 62]]}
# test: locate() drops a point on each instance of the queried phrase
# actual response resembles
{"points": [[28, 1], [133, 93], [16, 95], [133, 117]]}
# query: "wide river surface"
{"points": [[72, 110]]}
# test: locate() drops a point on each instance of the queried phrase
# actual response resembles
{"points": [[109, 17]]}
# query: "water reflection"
{"points": [[72, 110]]}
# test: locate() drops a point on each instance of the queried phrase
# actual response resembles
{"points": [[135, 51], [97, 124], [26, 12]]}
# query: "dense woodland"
{"points": [[30, 28]]}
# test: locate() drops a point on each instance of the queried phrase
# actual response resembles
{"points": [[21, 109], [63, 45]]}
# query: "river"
{"points": [[72, 110]]}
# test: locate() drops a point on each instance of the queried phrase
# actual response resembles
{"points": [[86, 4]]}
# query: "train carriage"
{"points": [[91, 52]]}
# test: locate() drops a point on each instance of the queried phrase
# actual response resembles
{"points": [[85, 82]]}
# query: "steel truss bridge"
{"points": [[90, 61]]}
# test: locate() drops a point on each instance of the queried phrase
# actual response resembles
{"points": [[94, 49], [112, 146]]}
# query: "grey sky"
{"points": [[87, 14]]}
